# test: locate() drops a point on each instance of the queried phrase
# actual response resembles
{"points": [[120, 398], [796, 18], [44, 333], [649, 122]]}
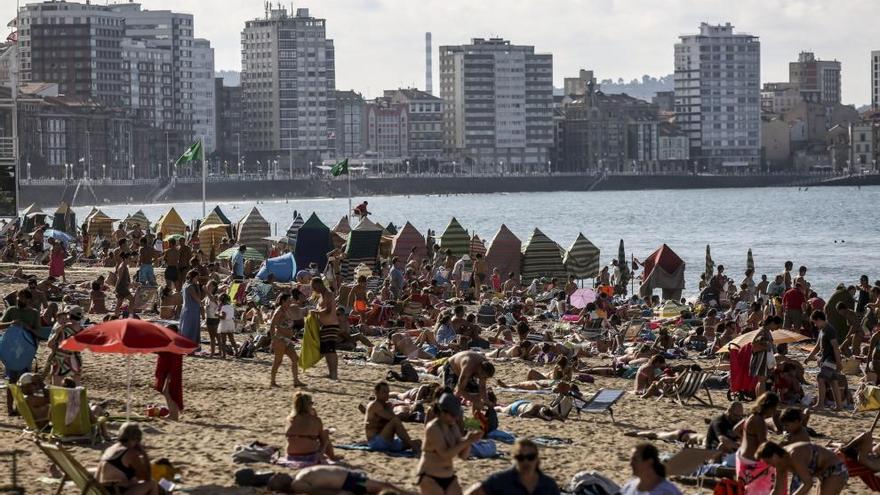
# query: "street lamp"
{"points": [[29, 171], [310, 168], [549, 167], [453, 167], [239, 167], [103, 171], [407, 167], [132, 171]]}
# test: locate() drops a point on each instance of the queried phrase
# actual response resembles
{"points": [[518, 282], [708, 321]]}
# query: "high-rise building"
{"points": [[350, 139], [148, 71], [875, 79], [820, 78], [78, 46], [425, 121], [228, 118], [498, 104], [718, 96], [288, 84], [204, 113]]}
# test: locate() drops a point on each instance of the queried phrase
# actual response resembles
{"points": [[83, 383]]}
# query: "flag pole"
{"points": [[348, 215], [204, 173]]}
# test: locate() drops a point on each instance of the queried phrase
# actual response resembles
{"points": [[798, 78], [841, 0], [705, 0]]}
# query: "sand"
{"points": [[228, 403]]}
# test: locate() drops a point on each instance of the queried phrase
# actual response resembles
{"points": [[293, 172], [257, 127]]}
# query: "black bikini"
{"points": [[443, 483]]}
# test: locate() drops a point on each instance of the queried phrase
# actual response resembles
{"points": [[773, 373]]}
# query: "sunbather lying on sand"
{"points": [[525, 350], [321, 480], [689, 438]]}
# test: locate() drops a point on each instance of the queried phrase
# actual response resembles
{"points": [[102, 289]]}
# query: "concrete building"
{"points": [[673, 144], [78, 46], [862, 147], [228, 119], [387, 126], [875, 79], [425, 120], [149, 75], [717, 96], [288, 84], [820, 78], [665, 101], [498, 104], [779, 98], [350, 125], [776, 142], [204, 113]]}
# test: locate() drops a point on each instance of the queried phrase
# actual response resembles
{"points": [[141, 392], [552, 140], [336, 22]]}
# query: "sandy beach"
{"points": [[229, 403]]}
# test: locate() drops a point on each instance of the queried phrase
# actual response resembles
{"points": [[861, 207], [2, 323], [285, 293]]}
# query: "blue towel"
{"points": [[366, 448]]}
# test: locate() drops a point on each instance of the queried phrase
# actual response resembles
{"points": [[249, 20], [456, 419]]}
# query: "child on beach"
{"points": [[226, 329]]}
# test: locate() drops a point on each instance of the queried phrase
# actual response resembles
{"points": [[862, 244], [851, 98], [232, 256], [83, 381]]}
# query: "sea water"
{"points": [[833, 231]]}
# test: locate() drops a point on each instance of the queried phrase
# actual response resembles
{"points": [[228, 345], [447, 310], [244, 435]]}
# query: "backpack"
{"points": [[407, 374], [727, 486], [592, 483]]}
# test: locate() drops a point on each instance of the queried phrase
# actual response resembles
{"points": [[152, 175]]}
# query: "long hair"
{"points": [[650, 453], [301, 404]]}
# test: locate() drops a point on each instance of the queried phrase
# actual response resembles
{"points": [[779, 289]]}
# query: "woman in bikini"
{"points": [[170, 302], [125, 465], [308, 443], [808, 463], [281, 334], [443, 443]]}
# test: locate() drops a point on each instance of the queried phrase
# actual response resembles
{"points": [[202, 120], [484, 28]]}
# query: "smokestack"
{"points": [[429, 78]]}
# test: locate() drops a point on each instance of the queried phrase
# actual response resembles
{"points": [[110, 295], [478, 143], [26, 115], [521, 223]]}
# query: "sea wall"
{"points": [[98, 193]]}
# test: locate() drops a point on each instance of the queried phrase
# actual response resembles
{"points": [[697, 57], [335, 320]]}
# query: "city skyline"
{"points": [[386, 56]]}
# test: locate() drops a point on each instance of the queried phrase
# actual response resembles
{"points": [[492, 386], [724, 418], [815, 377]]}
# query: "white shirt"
{"points": [[227, 322], [664, 488], [211, 308]]}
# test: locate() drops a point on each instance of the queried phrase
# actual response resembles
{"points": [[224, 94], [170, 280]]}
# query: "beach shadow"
{"points": [[223, 490], [216, 426]]}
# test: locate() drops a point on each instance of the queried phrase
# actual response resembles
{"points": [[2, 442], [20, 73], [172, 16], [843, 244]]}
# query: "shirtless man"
{"points": [[322, 480], [185, 253], [123, 283], [481, 271], [466, 374], [146, 256], [281, 333], [357, 297], [512, 285], [384, 430], [171, 257], [753, 431], [443, 443], [326, 310]]}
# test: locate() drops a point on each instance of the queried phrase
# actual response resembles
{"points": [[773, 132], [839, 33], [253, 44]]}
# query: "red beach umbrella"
{"points": [[128, 336]]}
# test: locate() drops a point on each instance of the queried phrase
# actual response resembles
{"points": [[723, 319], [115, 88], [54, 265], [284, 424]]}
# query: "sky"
{"points": [[380, 43]]}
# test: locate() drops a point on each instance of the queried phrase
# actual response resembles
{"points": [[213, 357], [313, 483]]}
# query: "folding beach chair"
{"points": [[72, 469], [868, 477], [691, 384], [24, 410], [633, 328], [75, 427], [602, 401]]}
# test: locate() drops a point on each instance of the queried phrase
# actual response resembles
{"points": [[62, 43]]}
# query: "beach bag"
{"points": [[484, 449], [381, 355], [17, 348], [592, 483], [727, 486], [310, 353]]}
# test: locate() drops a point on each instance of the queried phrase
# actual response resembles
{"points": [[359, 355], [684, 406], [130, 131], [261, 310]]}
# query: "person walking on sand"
{"points": [[191, 313], [281, 333], [443, 443], [325, 308], [171, 257], [56, 260], [829, 362]]}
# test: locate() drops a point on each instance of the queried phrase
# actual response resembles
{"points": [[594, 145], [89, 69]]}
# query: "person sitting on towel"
{"points": [[384, 430]]}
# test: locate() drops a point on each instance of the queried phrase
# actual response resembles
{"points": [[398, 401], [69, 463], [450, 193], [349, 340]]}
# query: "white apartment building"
{"points": [[204, 113], [718, 96]]}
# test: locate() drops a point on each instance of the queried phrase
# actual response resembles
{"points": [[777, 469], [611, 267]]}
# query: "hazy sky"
{"points": [[380, 43]]}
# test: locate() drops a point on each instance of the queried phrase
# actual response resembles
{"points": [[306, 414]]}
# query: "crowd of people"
{"points": [[449, 320]]}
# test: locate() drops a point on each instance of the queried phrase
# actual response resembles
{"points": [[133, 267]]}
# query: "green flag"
{"points": [[193, 153], [340, 168]]}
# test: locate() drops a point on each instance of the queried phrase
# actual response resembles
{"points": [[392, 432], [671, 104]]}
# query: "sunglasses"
{"points": [[526, 457]]}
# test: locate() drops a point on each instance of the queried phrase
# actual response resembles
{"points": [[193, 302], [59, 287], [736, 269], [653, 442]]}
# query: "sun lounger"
{"points": [[74, 427], [24, 410], [633, 328], [72, 469], [693, 382], [602, 401]]}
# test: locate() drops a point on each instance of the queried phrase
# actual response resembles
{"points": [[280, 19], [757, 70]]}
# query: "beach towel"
{"points": [[310, 353], [552, 441], [297, 462], [363, 447]]}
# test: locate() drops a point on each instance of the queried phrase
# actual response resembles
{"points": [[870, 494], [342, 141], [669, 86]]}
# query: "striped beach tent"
{"points": [[312, 243], [342, 226], [99, 222], [391, 229], [477, 246], [294, 229], [455, 238], [582, 258], [170, 223], [505, 252], [362, 247], [211, 231], [407, 239], [663, 269], [64, 219], [252, 231], [541, 257], [138, 219]]}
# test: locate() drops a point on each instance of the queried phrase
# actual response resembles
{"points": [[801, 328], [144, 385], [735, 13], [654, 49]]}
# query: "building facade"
{"points": [[498, 104], [818, 78], [350, 133], [875, 79], [228, 112], [717, 96], [288, 83], [425, 121], [387, 128], [78, 46], [204, 112], [149, 73], [862, 146]]}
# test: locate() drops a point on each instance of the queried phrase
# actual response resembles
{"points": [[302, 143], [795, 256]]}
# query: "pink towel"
{"points": [[758, 476]]}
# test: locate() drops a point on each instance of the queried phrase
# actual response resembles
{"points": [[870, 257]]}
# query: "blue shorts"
{"points": [[517, 407], [430, 349], [147, 276], [379, 444]]}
